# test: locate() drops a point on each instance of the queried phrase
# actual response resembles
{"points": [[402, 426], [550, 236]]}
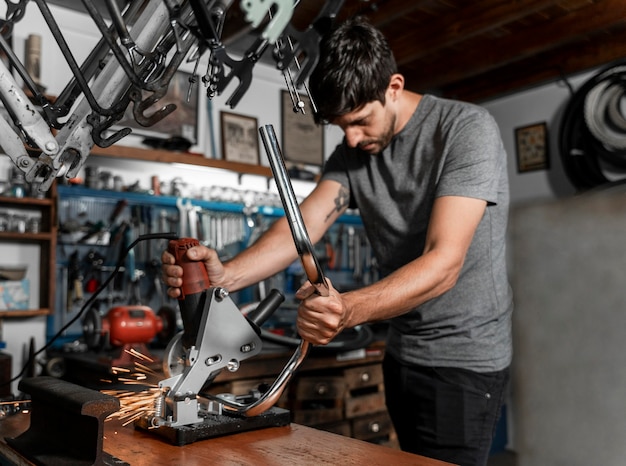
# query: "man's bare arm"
{"points": [[451, 229], [275, 249]]}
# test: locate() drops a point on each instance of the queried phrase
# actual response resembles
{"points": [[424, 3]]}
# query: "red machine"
{"points": [[130, 328]]}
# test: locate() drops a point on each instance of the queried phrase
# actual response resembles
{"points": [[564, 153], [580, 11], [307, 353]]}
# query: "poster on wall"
{"points": [[531, 144], [182, 122], [240, 140], [303, 139]]}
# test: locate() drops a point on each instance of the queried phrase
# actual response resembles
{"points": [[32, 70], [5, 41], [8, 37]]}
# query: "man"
{"points": [[429, 179]]}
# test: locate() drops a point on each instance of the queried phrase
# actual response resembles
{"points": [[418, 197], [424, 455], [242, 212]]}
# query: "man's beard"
{"points": [[379, 144]]}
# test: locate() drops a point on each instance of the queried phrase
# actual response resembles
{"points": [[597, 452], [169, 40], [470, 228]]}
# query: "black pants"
{"points": [[444, 413]]}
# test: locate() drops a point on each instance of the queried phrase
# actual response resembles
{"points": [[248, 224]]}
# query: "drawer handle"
{"points": [[374, 427], [321, 389], [365, 377]]}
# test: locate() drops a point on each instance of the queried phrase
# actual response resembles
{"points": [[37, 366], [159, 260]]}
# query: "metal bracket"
{"points": [[256, 10]]}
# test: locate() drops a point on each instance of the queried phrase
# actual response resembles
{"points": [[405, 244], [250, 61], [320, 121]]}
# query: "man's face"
{"points": [[370, 127]]}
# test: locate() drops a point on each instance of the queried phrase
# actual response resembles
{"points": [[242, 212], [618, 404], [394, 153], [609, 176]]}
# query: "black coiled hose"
{"points": [[593, 129]]}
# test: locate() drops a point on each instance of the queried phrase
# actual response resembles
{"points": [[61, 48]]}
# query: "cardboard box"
{"points": [[14, 295]]}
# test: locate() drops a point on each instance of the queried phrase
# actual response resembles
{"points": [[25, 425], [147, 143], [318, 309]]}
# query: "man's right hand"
{"points": [[172, 274]]}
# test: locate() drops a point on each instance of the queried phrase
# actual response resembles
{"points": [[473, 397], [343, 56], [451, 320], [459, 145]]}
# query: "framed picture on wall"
{"points": [[240, 139], [303, 140], [531, 145], [182, 122]]}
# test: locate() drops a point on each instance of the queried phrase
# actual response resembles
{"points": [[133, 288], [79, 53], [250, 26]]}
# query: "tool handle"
{"points": [[266, 307], [192, 292], [195, 276], [119, 207]]}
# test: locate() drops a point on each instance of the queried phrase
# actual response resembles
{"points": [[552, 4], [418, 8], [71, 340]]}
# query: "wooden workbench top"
{"points": [[291, 445]]}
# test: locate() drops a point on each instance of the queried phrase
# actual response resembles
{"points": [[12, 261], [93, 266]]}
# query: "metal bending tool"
{"points": [[218, 336], [310, 264]]}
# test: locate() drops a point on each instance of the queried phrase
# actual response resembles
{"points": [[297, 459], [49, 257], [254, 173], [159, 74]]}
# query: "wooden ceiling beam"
{"points": [[471, 21], [586, 21], [385, 12], [556, 64]]}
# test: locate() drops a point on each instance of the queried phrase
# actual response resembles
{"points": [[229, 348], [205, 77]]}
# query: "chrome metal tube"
{"points": [[304, 247]]}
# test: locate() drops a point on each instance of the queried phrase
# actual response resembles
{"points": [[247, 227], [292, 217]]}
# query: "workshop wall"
{"points": [[557, 279], [541, 104], [261, 102], [568, 374]]}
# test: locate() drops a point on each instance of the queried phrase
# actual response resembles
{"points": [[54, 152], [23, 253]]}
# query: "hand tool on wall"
{"points": [[183, 216], [351, 248], [339, 248], [99, 228], [357, 268], [75, 281]]}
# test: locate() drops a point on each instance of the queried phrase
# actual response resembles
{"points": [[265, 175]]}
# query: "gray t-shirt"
{"points": [[447, 148]]}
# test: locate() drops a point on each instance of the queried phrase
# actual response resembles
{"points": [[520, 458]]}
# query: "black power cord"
{"points": [[91, 300]]}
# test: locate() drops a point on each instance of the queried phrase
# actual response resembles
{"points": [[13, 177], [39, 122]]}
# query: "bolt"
{"points": [[247, 347], [232, 365], [221, 293], [51, 146]]}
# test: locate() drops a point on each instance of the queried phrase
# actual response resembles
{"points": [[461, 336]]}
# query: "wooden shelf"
{"points": [[46, 239], [25, 313], [155, 155], [25, 201], [25, 237]]}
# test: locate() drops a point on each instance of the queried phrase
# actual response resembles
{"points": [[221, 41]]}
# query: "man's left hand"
{"points": [[320, 319]]}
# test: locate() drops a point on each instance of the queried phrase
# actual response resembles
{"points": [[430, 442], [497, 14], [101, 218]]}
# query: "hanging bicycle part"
{"points": [[141, 47]]}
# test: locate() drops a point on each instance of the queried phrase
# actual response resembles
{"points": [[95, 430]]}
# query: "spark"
{"points": [[137, 354], [146, 369], [134, 404]]}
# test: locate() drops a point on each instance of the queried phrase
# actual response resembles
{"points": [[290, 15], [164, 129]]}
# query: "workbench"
{"points": [[289, 445], [341, 393]]}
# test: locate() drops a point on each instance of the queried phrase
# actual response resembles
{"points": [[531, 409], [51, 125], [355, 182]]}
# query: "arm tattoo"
{"points": [[341, 201]]}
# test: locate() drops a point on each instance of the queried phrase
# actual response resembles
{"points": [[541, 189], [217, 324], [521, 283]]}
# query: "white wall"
{"points": [[545, 103]]}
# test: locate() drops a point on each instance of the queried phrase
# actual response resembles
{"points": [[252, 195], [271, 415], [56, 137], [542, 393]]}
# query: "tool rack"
{"points": [[95, 207]]}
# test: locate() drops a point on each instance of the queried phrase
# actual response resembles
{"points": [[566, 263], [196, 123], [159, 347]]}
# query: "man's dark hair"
{"points": [[354, 68]]}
